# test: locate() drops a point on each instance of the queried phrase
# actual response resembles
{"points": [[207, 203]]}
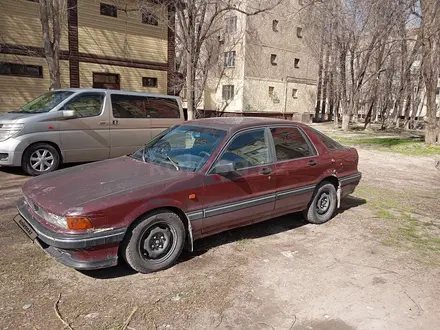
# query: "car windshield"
{"points": [[184, 148], [45, 102]]}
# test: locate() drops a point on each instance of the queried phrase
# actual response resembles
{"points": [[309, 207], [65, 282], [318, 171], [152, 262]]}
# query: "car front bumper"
{"points": [[80, 251], [10, 152]]}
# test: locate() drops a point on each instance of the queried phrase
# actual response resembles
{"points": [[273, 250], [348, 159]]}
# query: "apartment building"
{"points": [[104, 44], [269, 65]]}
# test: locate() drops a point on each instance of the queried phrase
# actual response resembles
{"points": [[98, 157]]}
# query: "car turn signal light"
{"points": [[78, 223]]}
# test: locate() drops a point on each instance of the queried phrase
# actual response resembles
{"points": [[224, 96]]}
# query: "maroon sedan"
{"points": [[191, 181]]}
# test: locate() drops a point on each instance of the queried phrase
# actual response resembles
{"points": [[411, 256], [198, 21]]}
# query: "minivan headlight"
{"points": [[8, 131]]}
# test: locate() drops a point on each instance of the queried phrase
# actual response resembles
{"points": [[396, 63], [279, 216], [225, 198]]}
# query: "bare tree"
{"points": [[52, 16], [430, 17]]}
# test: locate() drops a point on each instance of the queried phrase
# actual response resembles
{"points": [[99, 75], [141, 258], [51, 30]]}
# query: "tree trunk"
{"points": [[50, 16], [345, 121], [320, 78], [190, 86]]}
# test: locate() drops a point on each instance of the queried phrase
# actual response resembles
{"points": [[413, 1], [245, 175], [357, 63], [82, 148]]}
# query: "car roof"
{"points": [[233, 124], [115, 91]]}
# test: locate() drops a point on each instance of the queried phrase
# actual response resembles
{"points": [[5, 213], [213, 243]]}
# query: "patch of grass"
{"points": [[412, 146]]}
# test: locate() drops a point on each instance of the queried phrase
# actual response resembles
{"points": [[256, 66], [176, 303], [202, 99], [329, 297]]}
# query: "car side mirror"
{"points": [[224, 167], [68, 114]]}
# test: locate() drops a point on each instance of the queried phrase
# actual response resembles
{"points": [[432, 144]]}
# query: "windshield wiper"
{"points": [[173, 162]]}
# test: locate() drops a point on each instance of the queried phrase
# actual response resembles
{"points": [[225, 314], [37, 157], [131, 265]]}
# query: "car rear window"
{"points": [[329, 143], [138, 106]]}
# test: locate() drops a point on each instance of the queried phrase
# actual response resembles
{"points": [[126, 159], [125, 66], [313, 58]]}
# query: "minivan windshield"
{"points": [[184, 148], [45, 102]]}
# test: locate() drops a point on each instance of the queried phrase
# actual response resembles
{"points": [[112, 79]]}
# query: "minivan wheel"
{"points": [[323, 205], [155, 242], [40, 158]]}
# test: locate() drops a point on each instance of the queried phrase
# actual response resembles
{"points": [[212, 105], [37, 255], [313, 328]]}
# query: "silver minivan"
{"points": [[83, 125]]}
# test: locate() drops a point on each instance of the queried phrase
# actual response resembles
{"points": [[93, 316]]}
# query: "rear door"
{"points": [[297, 168], [247, 195], [85, 138], [130, 126]]}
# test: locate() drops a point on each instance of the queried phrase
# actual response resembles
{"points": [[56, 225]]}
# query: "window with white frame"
{"points": [[227, 92], [295, 93], [229, 59]]}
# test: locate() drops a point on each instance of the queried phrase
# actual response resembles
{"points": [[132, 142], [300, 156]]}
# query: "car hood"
{"points": [[71, 188], [12, 117]]}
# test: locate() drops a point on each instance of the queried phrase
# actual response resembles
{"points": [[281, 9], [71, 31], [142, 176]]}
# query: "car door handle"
{"points": [[312, 163], [102, 123], [266, 171], [115, 122]]}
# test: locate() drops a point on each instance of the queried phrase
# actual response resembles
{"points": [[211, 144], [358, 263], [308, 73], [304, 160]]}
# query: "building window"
{"points": [[229, 58], [295, 93], [299, 32], [275, 25], [150, 19], [106, 80], [109, 10], [231, 24], [34, 1], [273, 59], [271, 91], [21, 70], [296, 63], [149, 82], [228, 92]]}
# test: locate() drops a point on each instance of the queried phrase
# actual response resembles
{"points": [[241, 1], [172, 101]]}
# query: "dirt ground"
{"points": [[376, 265]]}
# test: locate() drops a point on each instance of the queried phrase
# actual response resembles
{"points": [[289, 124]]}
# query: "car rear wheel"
{"points": [[323, 205], [155, 242], [40, 158]]}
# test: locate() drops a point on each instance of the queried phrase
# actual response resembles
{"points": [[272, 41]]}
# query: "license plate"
{"points": [[25, 227]]}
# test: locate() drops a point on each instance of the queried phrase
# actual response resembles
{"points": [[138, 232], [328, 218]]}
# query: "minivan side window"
{"points": [[290, 144], [86, 105], [137, 106], [248, 150], [158, 107], [128, 106]]}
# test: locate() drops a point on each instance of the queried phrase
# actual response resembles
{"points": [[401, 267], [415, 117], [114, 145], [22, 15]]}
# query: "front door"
{"points": [[247, 195], [85, 138], [297, 169]]}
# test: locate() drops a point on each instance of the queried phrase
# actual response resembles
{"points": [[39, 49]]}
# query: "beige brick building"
{"points": [[103, 44], [269, 66]]}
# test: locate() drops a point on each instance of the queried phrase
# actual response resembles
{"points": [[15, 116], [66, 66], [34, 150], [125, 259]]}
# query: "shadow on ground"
{"points": [[259, 230]]}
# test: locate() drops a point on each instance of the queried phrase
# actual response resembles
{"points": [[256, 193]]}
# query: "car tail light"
{"points": [[78, 223]]}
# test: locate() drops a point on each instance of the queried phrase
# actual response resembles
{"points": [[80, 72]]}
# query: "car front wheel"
{"points": [[323, 205], [40, 158], [155, 242]]}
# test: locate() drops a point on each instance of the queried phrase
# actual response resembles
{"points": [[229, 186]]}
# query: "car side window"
{"points": [[290, 143], [86, 105], [248, 149], [129, 106]]}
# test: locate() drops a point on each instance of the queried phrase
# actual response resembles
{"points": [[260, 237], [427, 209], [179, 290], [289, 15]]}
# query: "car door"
{"points": [[86, 137], [130, 125], [297, 168], [243, 196]]}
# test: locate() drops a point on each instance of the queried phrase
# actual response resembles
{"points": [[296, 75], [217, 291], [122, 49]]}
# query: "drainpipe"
{"points": [[285, 95]]}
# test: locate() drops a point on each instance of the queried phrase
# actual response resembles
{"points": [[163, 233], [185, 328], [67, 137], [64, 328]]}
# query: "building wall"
{"points": [[123, 36], [130, 78], [16, 91], [20, 24], [254, 73]]}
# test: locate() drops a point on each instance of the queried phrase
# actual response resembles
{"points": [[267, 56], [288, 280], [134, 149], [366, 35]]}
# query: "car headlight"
{"points": [[54, 219], [68, 222], [8, 131]]}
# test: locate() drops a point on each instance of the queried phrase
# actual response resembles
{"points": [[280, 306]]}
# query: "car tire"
{"points": [[40, 158], [323, 205], [155, 242]]}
